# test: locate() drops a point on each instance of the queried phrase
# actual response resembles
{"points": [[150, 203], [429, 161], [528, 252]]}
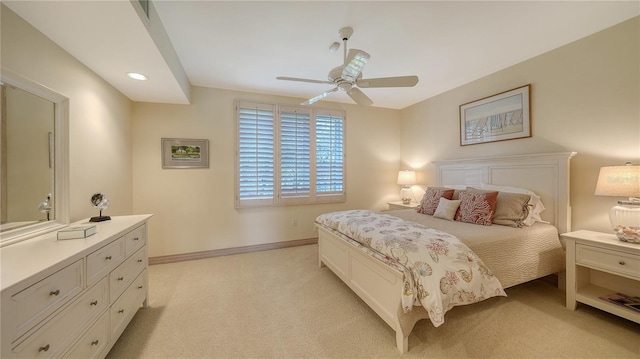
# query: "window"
{"points": [[288, 155]]}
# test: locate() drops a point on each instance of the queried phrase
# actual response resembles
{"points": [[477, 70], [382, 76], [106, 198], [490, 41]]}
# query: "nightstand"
{"points": [[599, 264], [399, 205]]}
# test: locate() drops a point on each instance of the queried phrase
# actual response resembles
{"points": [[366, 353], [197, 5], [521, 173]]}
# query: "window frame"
{"points": [[278, 199]]}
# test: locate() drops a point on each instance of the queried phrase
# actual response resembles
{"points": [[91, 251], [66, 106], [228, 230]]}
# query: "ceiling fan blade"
{"points": [[399, 81], [320, 96], [303, 80], [359, 97], [354, 63]]}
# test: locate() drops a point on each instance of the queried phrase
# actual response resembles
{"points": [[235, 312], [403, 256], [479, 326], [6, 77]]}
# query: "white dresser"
{"points": [[73, 298]]}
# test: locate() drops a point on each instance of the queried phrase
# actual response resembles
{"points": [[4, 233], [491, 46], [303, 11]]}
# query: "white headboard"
{"points": [[546, 174]]}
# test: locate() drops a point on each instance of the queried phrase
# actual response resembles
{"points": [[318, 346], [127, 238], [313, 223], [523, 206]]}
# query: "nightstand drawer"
{"points": [[608, 260]]}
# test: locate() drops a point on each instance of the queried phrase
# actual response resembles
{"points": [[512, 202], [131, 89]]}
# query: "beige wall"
{"points": [[194, 208], [99, 122], [585, 97]]}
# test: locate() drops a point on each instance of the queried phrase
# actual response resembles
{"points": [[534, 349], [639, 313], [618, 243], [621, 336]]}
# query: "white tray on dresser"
{"points": [[73, 298]]}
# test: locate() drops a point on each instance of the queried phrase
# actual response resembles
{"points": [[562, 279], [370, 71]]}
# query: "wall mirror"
{"points": [[33, 162]]}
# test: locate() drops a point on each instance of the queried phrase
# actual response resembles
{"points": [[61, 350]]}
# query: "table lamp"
{"points": [[406, 179], [622, 181]]}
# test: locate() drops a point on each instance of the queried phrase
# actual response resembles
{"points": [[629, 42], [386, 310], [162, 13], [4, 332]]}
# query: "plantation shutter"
{"points": [[295, 154], [255, 152], [288, 155], [329, 154]]}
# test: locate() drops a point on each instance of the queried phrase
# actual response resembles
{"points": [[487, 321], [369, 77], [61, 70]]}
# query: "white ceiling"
{"points": [[244, 45]]}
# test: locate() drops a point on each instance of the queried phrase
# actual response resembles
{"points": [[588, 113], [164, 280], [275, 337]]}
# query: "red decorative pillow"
{"points": [[476, 207], [431, 199]]}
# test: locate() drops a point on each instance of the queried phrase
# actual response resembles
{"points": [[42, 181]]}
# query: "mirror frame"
{"points": [[61, 148]]}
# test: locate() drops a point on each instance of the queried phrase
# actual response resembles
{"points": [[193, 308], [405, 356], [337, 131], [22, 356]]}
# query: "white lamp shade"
{"points": [[407, 178], [619, 181]]}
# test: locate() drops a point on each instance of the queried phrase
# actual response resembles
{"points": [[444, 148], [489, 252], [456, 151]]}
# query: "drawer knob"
{"points": [[120, 278], [139, 287], [135, 239], [95, 342], [95, 302], [54, 292], [622, 263], [44, 348], [139, 260], [121, 311], [107, 258]]}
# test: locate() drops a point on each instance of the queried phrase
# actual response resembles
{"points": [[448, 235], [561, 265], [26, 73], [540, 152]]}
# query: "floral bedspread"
{"points": [[440, 271]]}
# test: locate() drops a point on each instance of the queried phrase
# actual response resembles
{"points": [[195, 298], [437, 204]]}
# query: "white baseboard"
{"points": [[229, 251]]}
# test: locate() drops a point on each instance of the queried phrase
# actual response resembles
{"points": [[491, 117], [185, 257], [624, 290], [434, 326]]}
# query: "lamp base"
{"points": [[625, 220], [406, 194], [100, 219]]}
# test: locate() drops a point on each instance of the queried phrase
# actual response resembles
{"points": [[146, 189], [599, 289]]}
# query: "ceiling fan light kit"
{"points": [[348, 76]]}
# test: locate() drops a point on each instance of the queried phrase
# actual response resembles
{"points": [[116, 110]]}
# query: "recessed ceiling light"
{"points": [[137, 76]]}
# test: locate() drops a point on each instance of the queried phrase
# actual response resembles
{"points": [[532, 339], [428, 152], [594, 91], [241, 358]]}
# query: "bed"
{"points": [[513, 255]]}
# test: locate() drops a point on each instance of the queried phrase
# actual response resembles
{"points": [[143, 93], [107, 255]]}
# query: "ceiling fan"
{"points": [[349, 75]]}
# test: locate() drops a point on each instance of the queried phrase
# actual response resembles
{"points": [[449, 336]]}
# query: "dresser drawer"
{"points": [[122, 276], [54, 338], [127, 305], [135, 239], [30, 306], [612, 261], [104, 260], [92, 343]]}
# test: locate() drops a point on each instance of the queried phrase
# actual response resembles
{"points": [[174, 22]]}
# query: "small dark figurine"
{"points": [[101, 202]]}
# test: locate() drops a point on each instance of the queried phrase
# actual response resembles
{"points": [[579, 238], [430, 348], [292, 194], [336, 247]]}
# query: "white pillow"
{"points": [[446, 208], [536, 204]]}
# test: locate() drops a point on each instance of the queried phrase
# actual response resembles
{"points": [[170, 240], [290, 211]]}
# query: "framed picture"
{"points": [[185, 153], [503, 116]]}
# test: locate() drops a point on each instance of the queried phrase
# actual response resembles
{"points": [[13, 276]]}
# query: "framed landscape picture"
{"points": [[185, 153], [503, 116]]}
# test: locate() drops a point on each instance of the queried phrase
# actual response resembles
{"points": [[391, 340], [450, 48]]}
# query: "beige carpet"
{"points": [[279, 304]]}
